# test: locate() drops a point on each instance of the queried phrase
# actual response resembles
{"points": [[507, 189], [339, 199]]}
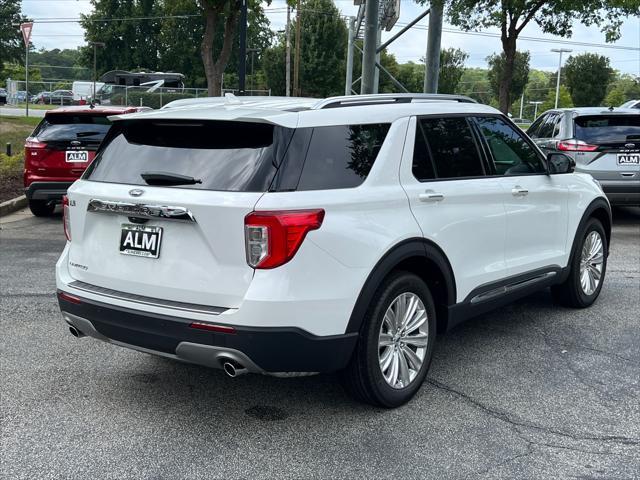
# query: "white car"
{"points": [[321, 236]]}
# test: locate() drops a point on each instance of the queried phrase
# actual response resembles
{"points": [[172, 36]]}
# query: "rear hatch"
{"points": [[610, 145], [160, 212], [63, 144]]}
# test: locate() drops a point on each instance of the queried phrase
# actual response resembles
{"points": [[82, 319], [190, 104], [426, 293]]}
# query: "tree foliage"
{"points": [[587, 77], [519, 75], [11, 43], [554, 17], [451, 69], [564, 99]]}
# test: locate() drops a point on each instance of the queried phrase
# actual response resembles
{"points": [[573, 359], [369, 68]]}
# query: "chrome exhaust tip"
{"points": [[75, 332], [233, 369]]}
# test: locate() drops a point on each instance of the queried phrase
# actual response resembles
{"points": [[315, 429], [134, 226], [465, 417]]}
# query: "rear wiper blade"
{"points": [[86, 134], [168, 178]]}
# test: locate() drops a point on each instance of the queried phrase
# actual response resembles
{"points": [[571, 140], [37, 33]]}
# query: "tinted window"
{"points": [[533, 130], [72, 127], [226, 156], [607, 129], [452, 147], [546, 128], [341, 156], [512, 155], [422, 164]]}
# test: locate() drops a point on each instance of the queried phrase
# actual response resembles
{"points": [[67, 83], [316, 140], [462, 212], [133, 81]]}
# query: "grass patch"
{"points": [[13, 130], [35, 106]]}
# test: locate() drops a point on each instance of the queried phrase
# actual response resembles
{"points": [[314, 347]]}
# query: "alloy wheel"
{"points": [[591, 262]]}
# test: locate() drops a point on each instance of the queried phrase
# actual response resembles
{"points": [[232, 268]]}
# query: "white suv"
{"points": [[316, 236]]}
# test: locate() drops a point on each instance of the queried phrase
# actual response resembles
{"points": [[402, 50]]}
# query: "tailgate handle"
{"points": [[140, 210]]}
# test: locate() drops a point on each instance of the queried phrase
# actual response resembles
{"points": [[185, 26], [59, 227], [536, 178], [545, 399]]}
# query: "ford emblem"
{"points": [[136, 192], [629, 145]]}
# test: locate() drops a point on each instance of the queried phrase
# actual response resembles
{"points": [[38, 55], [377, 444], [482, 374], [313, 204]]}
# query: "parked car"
{"points": [[3, 96], [604, 142], [42, 98], [20, 96], [320, 236], [61, 97], [631, 104], [59, 150]]}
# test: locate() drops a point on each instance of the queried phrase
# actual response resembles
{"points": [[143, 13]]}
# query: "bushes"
{"points": [[148, 99]]}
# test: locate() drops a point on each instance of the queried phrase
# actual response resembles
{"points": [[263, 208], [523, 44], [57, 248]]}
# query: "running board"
{"points": [[500, 291]]}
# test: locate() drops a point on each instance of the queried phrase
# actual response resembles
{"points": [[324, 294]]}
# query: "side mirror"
{"points": [[560, 163]]}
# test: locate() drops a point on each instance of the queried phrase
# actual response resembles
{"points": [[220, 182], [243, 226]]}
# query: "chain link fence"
{"points": [[66, 92]]}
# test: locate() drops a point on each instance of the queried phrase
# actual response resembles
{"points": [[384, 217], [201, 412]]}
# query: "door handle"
{"points": [[431, 196], [518, 191]]}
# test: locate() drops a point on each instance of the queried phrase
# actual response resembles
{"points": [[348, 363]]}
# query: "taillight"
{"points": [[273, 238], [66, 221], [34, 143], [576, 146]]}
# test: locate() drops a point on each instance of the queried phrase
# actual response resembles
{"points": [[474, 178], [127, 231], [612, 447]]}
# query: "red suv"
{"points": [[60, 149]]}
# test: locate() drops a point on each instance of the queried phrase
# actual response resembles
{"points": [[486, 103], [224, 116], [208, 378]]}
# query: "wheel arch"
{"points": [[421, 257]]}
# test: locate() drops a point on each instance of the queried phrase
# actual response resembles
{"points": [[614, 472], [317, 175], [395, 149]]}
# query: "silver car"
{"points": [[604, 142]]}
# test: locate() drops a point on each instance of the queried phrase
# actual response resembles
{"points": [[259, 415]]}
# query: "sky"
{"points": [[410, 47]]}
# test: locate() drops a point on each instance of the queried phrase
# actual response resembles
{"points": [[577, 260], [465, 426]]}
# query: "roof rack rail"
{"points": [[387, 98]]}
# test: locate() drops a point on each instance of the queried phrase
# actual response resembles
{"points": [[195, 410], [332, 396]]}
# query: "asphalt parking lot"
{"points": [[529, 391]]}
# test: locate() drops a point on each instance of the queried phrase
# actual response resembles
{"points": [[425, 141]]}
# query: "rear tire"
{"points": [[42, 208], [405, 351], [587, 269]]}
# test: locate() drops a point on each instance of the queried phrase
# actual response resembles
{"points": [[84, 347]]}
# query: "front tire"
{"points": [[396, 343], [587, 269], [42, 208]]}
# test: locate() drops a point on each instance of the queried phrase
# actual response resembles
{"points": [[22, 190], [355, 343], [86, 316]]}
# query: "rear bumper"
{"points": [[259, 349], [47, 190], [626, 192]]}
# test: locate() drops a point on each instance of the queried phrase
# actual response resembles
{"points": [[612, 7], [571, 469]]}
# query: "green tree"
{"points": [[411, 75], [451, 69], [519, 75], [11, 43], [564, 99], [623, 88], [63, 64], [555, 17], [587, 77]]}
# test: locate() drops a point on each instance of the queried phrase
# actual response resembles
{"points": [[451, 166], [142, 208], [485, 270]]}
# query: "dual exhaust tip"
{"points": [[230, 366]]}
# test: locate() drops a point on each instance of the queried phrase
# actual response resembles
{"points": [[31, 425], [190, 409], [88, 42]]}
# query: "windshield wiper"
{"points": [[86, 134], [168, 178]]}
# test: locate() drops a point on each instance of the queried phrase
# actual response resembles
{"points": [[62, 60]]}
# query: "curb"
{"points": [[13, 205]]}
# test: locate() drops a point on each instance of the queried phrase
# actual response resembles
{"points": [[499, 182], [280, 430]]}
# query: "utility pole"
{"points": [[288, 58], [95, 70], [242, 54], [348, 81], [296, 65], [370, 47], [521, 105], [434, 35], [376, 75], [560, 51]]}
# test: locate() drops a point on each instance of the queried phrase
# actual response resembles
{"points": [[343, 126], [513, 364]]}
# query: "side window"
{"points": [[341, 156], [422, 165], [452, 147], [512, 155], [534, 129], [546, 129], [556, 125]]}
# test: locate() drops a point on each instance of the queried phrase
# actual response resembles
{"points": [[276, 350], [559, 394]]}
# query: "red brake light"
{"points": [[66, 221], [69, 298], [34, 143], [576, 146], [213, 328], [273, 238]]}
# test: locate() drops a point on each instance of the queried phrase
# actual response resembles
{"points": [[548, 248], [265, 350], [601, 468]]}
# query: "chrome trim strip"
{"points": [[140, 210], [141, 299], [496, 292]]}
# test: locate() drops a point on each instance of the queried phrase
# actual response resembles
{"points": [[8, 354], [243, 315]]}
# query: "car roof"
{"points": [[106, 110], [293, 112], [577, 111]]}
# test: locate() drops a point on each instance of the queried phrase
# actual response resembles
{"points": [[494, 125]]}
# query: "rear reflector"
{"points": [[69, 298], [212, 328], [576, 146], [273, 238]]}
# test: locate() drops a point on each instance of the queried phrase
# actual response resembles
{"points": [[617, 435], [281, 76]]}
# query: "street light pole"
{"points": [[95, 69], [560, 51], [288, 59], [535, 113]]}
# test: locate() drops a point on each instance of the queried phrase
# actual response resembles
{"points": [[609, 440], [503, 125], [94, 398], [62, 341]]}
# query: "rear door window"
{"points": [[341, 156], [453, 147], [607, 129], [61, 127]]}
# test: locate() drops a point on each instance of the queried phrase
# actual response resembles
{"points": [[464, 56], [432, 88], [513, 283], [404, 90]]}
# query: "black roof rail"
{"points": [[389, 98]]}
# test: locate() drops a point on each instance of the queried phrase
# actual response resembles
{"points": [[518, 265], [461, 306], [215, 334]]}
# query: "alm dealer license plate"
{"points": [[140, 240], [628, 159], [76, 156]]}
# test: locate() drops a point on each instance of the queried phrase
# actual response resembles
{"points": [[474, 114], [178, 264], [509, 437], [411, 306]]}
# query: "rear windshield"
{"points": [[239, 156], [72, 127], [603, 129]]}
